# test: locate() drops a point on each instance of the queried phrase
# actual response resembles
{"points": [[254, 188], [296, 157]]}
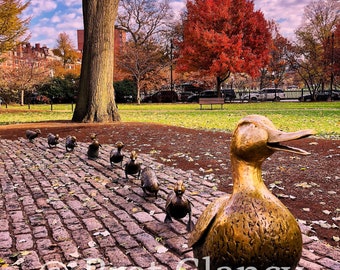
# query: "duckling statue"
{"points": [[149, 181], [178, 206], [132, 167], [93, 149], [70, 143], [252, 228], [52, 140], [116, 155], [32, 134], [93, 136]]}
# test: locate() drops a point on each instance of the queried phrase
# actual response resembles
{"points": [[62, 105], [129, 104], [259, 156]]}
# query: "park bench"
{"points": [[211, 102]]}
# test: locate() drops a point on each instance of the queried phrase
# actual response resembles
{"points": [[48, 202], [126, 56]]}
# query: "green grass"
{"points": [[323, 117]]}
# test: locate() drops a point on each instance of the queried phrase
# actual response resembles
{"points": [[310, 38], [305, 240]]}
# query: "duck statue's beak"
{"points": [[276, 137]]}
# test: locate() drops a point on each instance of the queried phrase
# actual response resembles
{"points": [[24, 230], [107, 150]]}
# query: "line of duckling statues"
{"points": [[177, 204], [251, 229]]}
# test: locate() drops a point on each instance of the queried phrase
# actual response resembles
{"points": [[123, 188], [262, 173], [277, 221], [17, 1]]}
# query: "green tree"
{"points": [[60, 89], [13, 28], [124, 88], [96, 102]]}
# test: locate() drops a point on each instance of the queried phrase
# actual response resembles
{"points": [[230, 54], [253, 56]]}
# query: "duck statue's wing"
{"points": [[206, 219]]}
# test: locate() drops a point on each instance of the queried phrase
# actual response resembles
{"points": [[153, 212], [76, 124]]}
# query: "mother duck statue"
{"points": [[251, 229]]}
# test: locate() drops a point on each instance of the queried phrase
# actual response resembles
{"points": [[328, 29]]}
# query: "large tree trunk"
{"points": [[96, 102]]}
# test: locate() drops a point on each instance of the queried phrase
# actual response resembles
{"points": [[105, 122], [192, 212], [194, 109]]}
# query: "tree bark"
{"points": [[96, 102]]}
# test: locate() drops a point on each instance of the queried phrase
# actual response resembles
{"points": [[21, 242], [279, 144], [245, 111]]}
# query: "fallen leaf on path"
{"points": [[303, 185], [104, 233], [161, 249], [72, 265], [315, 238], [19, 261], [91, 244], [75, 254]]}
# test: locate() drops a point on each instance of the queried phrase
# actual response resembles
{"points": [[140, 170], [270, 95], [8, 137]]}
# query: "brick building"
{"points": [[119, 39], [26, 54]]}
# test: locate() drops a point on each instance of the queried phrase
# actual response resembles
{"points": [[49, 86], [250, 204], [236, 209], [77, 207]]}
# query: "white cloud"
{"points": [[55, 19], [44, 35], [287, 13], [71, 3], [38, 7], [177, 7]]}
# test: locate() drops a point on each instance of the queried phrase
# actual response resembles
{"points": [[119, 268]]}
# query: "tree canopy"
{"points": [[144, 55], [222, 37], [13, 28], [65, 49], [317, 46]]}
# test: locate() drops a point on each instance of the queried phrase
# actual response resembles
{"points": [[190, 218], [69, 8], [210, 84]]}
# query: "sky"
{"points": [[52, 17]]}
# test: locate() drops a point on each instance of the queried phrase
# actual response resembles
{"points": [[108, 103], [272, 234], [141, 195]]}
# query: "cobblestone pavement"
{"points": [[60, 210]]}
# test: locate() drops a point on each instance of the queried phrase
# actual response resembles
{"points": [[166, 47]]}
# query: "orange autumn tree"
{"points": [[221, 37]]}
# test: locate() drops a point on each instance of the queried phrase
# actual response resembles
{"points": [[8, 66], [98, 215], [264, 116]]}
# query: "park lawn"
{"points": [[323, 117]]}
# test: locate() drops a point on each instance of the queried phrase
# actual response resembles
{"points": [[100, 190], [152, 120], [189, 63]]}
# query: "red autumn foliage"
{"points": [[222, 37]]}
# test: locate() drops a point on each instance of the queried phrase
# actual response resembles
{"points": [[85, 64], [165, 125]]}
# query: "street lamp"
{"points": [[171, 66], [332, 63]]}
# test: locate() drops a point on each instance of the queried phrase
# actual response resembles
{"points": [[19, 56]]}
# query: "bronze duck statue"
{"points": [[52, 140], [70, 143], [93, 149], [93, 136], [32, 134], [252, 228], [132, 167], [116, 155], [149, 181], [178, 206]]}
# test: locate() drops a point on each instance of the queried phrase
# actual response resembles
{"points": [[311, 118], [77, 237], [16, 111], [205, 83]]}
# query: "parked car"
{"points": [[273, 94], [322, 96], [183, 96], [162, 97], [203, 94], [228, 94], [336, 94]]}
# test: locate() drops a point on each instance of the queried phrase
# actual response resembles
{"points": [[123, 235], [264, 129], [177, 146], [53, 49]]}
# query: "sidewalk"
{"points": [[60, 210]]}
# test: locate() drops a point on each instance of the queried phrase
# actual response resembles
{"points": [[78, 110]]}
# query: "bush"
{"points": [[125, 91], [60, 89]]}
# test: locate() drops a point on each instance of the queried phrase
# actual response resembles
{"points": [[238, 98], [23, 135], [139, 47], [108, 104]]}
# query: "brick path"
{"points": [[60, 210]]}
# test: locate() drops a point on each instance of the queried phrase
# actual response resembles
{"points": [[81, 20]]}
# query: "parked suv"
{"points": [[253, 96], [274, 94]]}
